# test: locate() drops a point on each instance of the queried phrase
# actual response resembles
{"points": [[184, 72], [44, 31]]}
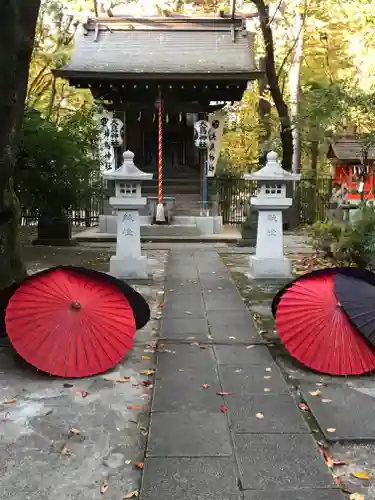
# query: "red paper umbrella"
{"points": [[317, 332], [70, 325]]}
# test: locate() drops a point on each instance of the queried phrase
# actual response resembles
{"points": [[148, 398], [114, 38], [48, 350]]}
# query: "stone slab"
{"points": [[302, 494], [190, 479], [184, 329], [280, 415], [229, 318], [280, 461], [184, 357], [243, 334], [226, 301], [251, 380], [192, 434], [182, 306], [184, 391], [348, 411], [235, 355], [178, 287]]}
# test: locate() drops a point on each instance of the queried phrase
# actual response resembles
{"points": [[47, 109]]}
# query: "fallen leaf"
{"points": [[146, 358], [135, 407], [362, 475], [161, 306], [326, 400], [206, 386], [104, 486], [303, 406], [331, 429], [128, 462], [132, 494], [66, 452], [140, 465], [146, 383], [259, 415], [223, 409], [10, 401], [83, 394], [75, 431], [356, 496], [148, 372], [267, 389], [224, 393], [337, 462], [315, 393], [122, 380]]}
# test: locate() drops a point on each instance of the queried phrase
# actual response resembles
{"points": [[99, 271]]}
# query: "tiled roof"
{"points": [[348, 148], [156, 47]]}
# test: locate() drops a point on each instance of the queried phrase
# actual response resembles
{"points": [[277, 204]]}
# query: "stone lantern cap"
{"points": [[128, 171], [272, 171]]}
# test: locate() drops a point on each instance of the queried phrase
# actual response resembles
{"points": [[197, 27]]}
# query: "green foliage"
{"points": [[357, 241], [351, 242], [57, 164], [324, 235]]}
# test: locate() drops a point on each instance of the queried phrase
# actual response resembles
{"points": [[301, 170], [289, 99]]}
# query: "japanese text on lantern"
{"points": [[128, 224], [272, 225]]}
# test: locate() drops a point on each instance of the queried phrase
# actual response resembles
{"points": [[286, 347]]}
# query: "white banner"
{"points": [[214, 145], [106, 150]]}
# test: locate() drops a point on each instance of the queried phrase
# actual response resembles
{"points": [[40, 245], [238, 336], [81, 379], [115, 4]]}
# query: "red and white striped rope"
{"points": [[160, 152]]}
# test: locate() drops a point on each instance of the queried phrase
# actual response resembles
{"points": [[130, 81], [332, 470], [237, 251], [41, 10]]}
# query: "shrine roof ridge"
{"points": [[348, 148], [218, 50]]}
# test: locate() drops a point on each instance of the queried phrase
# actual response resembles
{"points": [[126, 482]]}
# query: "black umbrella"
{"points": [[357, 299], [353, 272]]}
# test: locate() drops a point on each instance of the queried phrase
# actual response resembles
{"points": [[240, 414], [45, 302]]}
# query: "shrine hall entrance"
{"points": [[180, 157]]}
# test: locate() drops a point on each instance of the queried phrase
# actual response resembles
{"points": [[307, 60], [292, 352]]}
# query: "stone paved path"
{"points": [[253, 444]]}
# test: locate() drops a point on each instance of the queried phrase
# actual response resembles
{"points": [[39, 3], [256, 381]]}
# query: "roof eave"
{"points": [[72, 75]]}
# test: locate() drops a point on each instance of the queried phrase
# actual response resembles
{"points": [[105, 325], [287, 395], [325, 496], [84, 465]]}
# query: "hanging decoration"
{"points": [[215, 135], [106, 150], [160, 217], [116, 132], [201, 131]]}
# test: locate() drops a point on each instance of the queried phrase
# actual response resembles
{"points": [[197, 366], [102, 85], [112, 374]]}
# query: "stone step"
{"points": [[174, 230]]}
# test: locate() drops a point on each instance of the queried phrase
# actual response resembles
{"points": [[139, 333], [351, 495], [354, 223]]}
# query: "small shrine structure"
{"points": [[159, 76], [345, 154]]}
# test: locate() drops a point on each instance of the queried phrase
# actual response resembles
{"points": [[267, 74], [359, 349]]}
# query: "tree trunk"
{"points": [[17, 33], [264, 112], [294, 88], [314, 153], [281, 106]]}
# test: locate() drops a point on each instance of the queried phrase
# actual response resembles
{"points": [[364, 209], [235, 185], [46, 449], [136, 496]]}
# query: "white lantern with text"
{"points": [[270, 202], [128, 263]]}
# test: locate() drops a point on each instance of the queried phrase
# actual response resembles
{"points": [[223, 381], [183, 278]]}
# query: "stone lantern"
{"points": [[270, 202], [128, 263]]}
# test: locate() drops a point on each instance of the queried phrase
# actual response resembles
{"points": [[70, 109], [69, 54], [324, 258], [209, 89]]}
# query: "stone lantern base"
{"points": [[129, 267], [270, 268]]}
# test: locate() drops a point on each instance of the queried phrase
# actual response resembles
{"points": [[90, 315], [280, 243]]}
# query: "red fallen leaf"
{"points": [[206, 386], [139, 465], [161, 306], [146, 383], [303, 406], [224, 393], [223, 409], [338, 462], [83, 394]]}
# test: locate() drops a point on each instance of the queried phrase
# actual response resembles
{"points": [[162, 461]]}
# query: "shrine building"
{"points": [[345, 154], [191, 67]]}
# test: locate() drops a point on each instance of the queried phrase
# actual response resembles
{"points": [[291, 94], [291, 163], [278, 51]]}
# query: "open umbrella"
{"points": [[357, 298], [355, 272], [317, 332], [70, 324]]}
